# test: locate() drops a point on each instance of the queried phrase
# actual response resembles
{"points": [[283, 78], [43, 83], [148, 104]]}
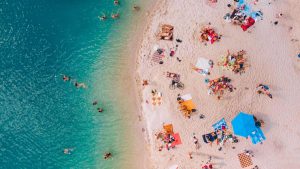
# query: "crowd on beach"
{"points": [[236, 62]]}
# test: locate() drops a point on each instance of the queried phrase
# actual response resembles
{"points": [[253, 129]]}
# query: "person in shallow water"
{"points": [[107, 156], [100, 110]]}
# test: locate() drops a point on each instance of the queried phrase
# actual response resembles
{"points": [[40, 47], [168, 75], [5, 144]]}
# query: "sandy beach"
{"points": [[271, 53]]}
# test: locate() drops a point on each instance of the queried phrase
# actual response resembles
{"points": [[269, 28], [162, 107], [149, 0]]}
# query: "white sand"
{"points": [[273, 59]]}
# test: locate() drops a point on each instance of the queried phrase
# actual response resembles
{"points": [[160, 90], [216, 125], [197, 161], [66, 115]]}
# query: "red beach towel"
{"points": [[177, 140], [248, 24]]}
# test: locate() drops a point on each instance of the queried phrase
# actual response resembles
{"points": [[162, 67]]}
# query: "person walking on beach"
{"points": [[196, 142]]}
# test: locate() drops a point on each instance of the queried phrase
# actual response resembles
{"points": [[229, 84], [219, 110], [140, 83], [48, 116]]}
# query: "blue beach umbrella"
{"points": [[243, 124]]}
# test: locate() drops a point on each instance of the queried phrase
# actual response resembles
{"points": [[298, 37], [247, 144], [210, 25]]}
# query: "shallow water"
{"points": [[40, 114]]}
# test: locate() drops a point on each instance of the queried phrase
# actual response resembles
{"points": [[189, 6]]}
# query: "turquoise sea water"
{"points": [[40, 115]]}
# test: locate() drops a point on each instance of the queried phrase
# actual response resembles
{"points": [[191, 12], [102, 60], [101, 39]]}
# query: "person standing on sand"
{"points": [[196, 142]]}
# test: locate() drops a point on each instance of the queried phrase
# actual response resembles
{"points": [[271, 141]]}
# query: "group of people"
{"points": [[234, 62], [264, 89], [219, 85], [117, 15], [66, 78], [243, 15], [208, 34], [76, 84]]}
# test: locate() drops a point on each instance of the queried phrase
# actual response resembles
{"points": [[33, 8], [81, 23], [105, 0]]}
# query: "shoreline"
{"points": [[264, 68]]}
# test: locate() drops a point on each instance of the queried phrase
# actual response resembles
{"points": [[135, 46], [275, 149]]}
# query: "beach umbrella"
{"points": [[243, 124]]}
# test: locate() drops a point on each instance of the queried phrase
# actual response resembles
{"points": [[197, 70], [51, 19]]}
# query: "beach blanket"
{"points": [[177, 140], [210, 137], [257, 136], [189, 105], [186, 97], [158, 55], [203, 63], [168, 128], [245, 160], [220, 125], [249, 22]]}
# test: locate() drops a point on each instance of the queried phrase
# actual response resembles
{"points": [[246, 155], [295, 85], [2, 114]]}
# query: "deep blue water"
{"points": [[40, 115]]}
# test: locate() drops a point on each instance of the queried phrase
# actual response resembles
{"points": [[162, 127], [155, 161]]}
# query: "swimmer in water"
{"points": [[80, 85], [66, 78], [100, 110], [116, 2], [115, 16], [103, 17], [68, 150]]}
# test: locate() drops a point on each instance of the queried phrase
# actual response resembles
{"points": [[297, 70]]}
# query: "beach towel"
{"points": [[203, 63], [245, 160], [220, 125], [249, 22], [168, 129], [157, 56], [210, 137], [186, 97], [189, 105], [257, 136], [177, 140]]}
